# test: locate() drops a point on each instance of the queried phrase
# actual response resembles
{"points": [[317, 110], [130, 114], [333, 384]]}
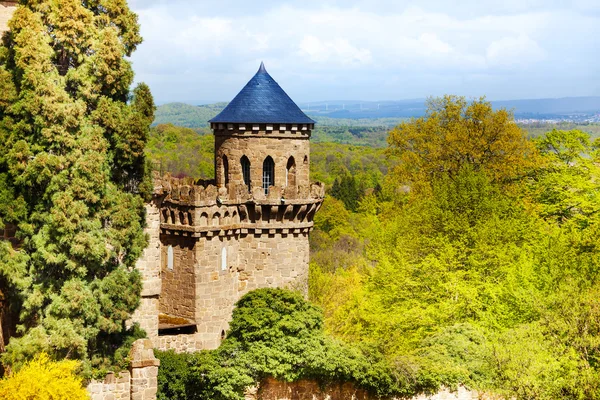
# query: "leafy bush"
{"points": [[42, 379], [273, 333]]}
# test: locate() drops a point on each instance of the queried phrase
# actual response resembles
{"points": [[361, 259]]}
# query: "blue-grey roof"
{"points": [[262, 100]]}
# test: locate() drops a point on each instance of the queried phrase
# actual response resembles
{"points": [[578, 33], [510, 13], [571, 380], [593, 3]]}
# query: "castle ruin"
{"points": [[213, 241]]}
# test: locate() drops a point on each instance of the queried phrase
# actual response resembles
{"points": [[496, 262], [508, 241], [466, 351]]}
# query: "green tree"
{"points": [[455, 133], [566, 186], [181, 151], [72, 140]]}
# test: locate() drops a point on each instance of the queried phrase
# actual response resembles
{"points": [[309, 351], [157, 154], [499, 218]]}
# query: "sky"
{"points": [[205, 51]]}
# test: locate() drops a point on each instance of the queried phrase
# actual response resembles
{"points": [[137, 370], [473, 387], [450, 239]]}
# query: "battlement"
{"points": [[286, 131], [199, 193], [199, 208]]}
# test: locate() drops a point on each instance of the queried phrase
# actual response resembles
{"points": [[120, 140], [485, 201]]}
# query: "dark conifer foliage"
{"points": [[73, 169], [348, 190]]}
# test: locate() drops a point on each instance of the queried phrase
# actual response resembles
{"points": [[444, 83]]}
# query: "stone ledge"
{"points": [[152, 287]]}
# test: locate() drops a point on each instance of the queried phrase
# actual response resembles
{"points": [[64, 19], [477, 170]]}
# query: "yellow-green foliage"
{"points": [[477, 280], [42, 379]]}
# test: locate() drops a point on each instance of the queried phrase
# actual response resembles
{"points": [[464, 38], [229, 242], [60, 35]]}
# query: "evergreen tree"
{"points": [[348, 190], [72, 140]]}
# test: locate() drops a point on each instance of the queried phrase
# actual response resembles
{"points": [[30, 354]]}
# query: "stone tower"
{"points": [[213, 241], [6, 10]]}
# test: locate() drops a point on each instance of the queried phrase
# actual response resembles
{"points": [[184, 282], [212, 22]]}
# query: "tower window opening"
{"points": [[224, 259], [268, 174], [290, 176], [246, 172], [170, 258], [225, 170]]}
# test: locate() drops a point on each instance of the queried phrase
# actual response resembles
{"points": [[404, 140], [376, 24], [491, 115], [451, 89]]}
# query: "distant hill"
{"points": [[389, 112], [186, 115]]}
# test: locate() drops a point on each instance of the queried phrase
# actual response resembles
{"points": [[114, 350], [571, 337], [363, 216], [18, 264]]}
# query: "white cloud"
{"points": [[313, 43], [336, 51], [514, 52]]}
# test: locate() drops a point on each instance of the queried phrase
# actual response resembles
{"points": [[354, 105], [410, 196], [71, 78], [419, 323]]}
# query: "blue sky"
{"points": [[370, 49]]}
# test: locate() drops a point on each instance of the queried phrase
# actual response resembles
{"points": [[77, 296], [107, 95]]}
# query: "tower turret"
{"points": [[262, 140], [246, 229]]}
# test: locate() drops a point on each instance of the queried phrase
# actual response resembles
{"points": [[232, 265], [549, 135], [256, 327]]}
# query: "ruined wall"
{"points": [[140, 382], [113, 387], [6, 10], [271, 389]]}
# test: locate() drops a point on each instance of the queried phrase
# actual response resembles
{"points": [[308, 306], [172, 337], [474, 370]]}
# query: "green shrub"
{"points": [[273, 333]]}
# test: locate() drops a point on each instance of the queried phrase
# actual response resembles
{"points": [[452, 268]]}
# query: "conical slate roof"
{"points": [[262, 100]]}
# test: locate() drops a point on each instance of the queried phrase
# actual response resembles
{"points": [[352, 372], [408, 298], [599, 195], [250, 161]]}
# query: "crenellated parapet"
{"points": [[199, 208]]}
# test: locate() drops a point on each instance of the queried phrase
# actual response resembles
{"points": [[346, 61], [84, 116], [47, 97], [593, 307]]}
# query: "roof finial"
{"points": [[262, 68]]}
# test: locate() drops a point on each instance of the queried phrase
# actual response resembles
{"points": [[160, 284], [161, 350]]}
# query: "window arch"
{"points": [[290, 169], [268, 174], [225, 162], [246, 172]]}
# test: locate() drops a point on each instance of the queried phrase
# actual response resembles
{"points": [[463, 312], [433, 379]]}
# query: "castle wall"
{"points": [[274, 260], [149, 267], [6, 11], [253, 261], [178, 292], [140, 382], [218, 288], [226, 242]]}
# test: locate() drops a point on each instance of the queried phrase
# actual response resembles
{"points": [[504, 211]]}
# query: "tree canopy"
{"points": [[458, 280], [72, 138], [456, 133]]}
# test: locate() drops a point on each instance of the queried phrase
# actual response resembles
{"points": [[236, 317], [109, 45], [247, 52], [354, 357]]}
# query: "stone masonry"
{"points": [[213, 241], [271, 389], [139, 383], [6, 10]]}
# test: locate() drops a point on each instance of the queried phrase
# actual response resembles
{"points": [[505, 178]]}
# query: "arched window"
{"points": [[225, 171], [170, 258], [246, 171], [268, 174], [290, 169]]}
